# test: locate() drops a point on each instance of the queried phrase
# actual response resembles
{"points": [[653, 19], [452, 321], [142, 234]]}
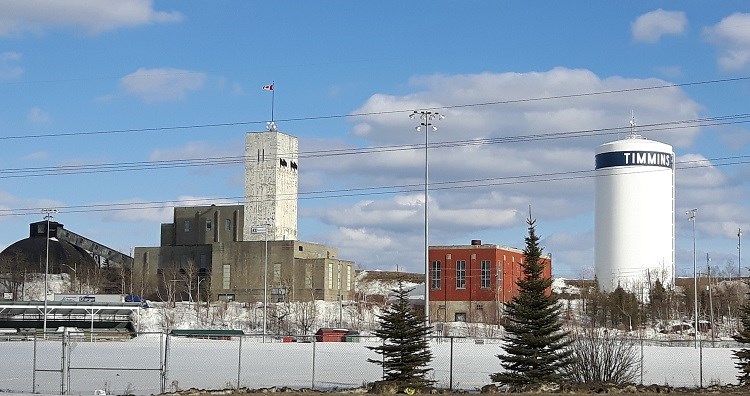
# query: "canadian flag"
{"points": [[268, 87]]}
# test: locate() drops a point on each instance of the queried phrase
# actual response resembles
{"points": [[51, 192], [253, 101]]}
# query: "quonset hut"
{"points": [[634, 217]]}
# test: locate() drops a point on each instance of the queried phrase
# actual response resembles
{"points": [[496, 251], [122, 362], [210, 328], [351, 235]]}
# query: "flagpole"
{"points": [[271, 124]]}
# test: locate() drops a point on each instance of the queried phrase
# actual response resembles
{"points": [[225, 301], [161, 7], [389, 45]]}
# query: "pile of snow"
{"points": [[560, 286]]}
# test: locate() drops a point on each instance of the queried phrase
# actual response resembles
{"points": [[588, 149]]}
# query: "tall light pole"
{"points": [[739, 253], [47, 216], [691, 217], [427, 118], [264, 230]]}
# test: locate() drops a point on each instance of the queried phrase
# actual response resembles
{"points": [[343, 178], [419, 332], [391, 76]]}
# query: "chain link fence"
{"points": [[153, 363]]}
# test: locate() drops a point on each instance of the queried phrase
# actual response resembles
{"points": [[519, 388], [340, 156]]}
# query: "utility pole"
{"points": [[710, 300], [739, 253], [691, 217], [47, 216]]}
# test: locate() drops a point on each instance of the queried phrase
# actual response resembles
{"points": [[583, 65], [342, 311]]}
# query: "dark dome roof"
{"points": [[34, 249]]}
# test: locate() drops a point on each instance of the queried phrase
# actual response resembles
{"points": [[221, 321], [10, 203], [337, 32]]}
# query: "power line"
{"points": [[378, 190], [231, 160], [374, 113]]}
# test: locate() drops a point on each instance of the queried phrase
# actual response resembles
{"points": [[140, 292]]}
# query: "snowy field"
{"points": [[213, 364]]}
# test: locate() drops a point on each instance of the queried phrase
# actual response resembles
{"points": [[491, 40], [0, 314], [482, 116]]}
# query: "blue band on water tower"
{"points": [[634, 158]]}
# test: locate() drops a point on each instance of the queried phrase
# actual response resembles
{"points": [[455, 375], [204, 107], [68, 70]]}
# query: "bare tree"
{"points": [[306, 313], [220, 313], [279, 312], [13, 271], [168, 291], [602, 357]]}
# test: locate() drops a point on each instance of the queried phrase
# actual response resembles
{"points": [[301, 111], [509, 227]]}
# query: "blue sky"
{"points": [[110, 83]]}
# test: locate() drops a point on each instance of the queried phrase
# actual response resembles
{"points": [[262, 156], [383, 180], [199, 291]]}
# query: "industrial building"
{"points": [[246, 252], [202, 257], [471, 283], [85, 260], [634, 241]]}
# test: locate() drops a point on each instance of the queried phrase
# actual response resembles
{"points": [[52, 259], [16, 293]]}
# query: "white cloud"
{"points": [[8, 65], [574, 250], [651, 26], [475, 188], [697, 170], [135, 210], [162, 84], [670, 71], [38, 116], [92, 17], [237, 89], [732, 37], [228, 154], [36, 156], [522, 107]]}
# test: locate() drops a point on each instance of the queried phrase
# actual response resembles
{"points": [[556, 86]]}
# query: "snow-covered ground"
{"points": [[133, 366], [213, 364]]}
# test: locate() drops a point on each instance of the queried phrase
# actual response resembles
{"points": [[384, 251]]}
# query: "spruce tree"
{"points": [[743, 355], [536, 348], [405, 350]]}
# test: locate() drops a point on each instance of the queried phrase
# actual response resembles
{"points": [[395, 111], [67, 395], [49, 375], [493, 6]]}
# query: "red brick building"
{"points": [[470, 283]]}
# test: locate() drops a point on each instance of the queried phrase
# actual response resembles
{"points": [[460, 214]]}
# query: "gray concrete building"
{"points": [[271, 183], [202, 256], [243, 252]]}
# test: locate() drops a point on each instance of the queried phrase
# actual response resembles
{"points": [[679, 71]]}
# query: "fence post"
{"points": [[33, 368], [239, 362], [700, 343], [450, 381], [641, 339], [313, 363], [64, 343], [165, 368], [67, 367], [161, 362]]}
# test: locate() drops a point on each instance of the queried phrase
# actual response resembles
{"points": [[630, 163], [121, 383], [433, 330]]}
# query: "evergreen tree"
{"points": [[743, 355], [658, 301], [536, 348], [624, 308], [405, 350]]}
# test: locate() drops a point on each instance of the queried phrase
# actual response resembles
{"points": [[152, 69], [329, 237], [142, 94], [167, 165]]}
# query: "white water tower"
{"points": [[634, 217]]}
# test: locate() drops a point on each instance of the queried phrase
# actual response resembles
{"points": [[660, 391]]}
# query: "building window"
{"points": [[330, 275], [226, 297], [460, 316], [184, 264], [227, 225], [436, 275], [208, 224], [479, 307], [187, 225], [226, 276], [308, 276], [277, 273], [348, 277], [460, 274], [484, 274], [338, 278]]}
